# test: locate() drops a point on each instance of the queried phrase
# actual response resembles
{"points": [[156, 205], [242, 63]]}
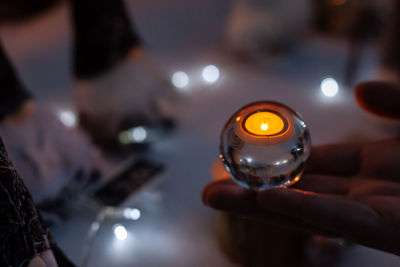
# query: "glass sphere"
{"points": [[265, 145]]}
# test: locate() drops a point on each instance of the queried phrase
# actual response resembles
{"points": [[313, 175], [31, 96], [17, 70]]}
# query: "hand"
{"points": [[348, 190]]}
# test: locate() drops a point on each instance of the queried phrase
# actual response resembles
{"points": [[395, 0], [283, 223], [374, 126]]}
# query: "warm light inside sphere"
{"points": [[265, 123]]}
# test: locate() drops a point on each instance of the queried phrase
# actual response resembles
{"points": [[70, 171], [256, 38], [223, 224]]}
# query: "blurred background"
{"points": [[199, 61]]}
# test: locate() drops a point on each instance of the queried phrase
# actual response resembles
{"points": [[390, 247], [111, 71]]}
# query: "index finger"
{"points": [[380, 98], [333, 213]]}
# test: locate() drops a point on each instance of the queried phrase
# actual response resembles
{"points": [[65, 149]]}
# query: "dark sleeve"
{"points": [[103, 35], [12, 92], [21, 233]]}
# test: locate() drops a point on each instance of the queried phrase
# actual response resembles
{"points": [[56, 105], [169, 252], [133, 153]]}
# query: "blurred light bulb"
{"points": [[120, 232], [133, 214], [211, 74], [68, 118], [180, 79], [134, 135], [95, 226], [138, 134], [329, 87]]}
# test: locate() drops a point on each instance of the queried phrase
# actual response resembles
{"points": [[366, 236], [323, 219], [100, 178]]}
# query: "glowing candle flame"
{"points": [[264, 126]]}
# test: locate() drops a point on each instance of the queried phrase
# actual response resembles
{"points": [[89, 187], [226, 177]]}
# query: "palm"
{"points": [[338, 195]]}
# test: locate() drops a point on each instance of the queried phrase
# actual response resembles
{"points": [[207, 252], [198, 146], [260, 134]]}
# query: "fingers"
{"points": [[380, 98], [386, 205], [229, 196], [385, 237], [332, 213], [336, 159], [226, 195], [364, 187], [370, 220], [324, 184]]}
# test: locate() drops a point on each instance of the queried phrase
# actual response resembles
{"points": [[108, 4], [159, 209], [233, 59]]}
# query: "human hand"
{"points": [[348, 190]]}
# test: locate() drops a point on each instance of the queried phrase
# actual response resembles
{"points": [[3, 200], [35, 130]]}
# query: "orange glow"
{"points": [[264, 123]]}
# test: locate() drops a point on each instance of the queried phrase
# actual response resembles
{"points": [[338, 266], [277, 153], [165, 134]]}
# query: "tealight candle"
{"points": [[265, 123], [264, 145]]}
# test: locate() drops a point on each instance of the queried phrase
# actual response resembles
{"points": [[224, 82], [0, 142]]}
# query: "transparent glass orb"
{"points": [[265, 145]]}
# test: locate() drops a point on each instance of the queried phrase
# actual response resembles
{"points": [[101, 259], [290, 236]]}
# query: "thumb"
{"points": [[380, 98]]}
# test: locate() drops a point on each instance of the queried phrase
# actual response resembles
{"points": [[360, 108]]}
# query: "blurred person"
{"points": [[349, 190]]}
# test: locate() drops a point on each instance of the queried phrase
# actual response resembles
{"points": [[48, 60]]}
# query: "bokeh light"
{"points": [[95, 226], [211, 74], [120, 232], [180, 79], [132, 214], [138, 134], [329, 87], [68, 118]]}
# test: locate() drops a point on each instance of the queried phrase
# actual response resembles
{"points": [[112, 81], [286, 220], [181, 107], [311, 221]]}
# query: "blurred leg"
{"points": [[103, 35], [118, 86]]}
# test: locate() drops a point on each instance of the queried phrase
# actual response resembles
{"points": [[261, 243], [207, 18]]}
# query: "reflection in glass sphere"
{"points": [[264, 145]]}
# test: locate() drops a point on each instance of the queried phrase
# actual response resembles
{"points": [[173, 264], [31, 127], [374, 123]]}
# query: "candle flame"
{"points": [[264, 126]]}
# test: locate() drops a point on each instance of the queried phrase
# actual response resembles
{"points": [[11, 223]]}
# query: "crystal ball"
{"points": [[265, 145]]}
